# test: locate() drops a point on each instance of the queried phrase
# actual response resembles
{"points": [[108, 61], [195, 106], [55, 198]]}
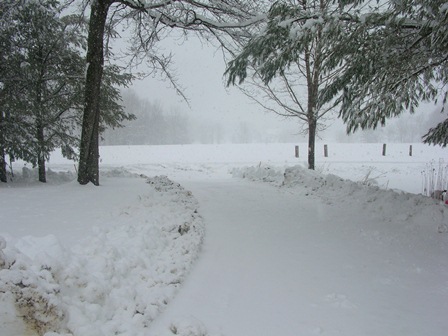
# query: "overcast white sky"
{"points": [[200, 70]]}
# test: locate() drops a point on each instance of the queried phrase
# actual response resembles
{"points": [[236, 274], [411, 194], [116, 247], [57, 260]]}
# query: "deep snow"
{"points": [[286, 251], [120, 275]]}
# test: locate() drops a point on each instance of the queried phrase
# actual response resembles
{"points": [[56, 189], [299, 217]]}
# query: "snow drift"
{"points": [[114, 282], [389, 205]]}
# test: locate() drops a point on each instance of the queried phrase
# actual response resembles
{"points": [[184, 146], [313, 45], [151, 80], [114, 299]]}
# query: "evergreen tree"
{"points": [[44, 87], [50, 68], [8, 9], [397, 57]]}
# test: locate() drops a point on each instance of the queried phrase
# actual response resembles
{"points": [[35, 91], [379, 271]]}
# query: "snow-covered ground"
{"points": [[286, 251]]}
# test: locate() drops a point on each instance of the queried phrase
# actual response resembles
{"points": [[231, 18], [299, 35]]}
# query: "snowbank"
{"points": [[262, 172], [388, 205], [114, 282]]}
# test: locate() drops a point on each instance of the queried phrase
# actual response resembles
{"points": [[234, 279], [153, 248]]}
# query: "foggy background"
{"points": [[216, 114]]}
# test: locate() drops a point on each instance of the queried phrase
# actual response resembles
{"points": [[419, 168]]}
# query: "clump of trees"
{"points": [[42, 83], [370, 60]]}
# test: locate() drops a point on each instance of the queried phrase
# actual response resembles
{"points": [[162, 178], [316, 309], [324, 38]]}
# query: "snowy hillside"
{"points": [[286, 251]]}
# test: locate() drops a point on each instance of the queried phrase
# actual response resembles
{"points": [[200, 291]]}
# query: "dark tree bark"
{"points": [[40, 153], [40, 150], [89, 152], [312, 74], [2, 151], [312, 124], [2, 166]]}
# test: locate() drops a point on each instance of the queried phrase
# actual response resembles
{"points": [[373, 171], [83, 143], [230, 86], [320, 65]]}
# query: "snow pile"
{"points": [[33, 285], [262, 172], [385, 205], [114, 282]]}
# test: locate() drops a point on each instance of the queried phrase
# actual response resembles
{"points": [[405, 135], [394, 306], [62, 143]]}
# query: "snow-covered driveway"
{"points": [[278, 262], [315, 256]]}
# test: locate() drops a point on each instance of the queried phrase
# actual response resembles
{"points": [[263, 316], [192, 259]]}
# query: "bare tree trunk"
{"points": [[89, 152]]}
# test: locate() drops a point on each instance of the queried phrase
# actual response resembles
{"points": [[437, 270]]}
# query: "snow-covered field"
{"points": [[236, 240]]}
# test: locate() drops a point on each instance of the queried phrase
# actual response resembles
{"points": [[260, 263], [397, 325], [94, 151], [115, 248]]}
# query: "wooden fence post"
{"points": [[297, 151], [384, 149], [326, 150]]}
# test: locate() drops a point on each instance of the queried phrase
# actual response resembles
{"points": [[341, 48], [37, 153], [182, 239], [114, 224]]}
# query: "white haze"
{"points": [[199, 69]]}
